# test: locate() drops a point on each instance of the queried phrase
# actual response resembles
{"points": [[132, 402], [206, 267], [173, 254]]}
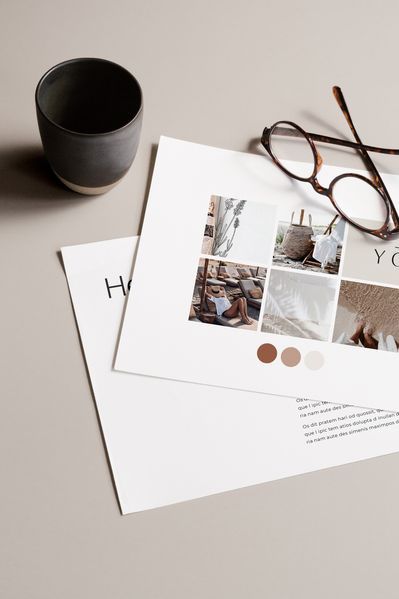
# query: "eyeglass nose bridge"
{"points": [[317, 186]]}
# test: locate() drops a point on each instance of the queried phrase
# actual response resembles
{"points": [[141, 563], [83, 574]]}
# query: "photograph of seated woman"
{"points": [[227, 294], [225, 308]]}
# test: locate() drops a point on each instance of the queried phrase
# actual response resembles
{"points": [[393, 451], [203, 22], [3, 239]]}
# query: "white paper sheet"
{"points": [[170, 441], [198, 192]]}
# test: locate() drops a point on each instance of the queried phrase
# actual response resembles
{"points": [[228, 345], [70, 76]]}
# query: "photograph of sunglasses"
{"points": [[345, 188]]}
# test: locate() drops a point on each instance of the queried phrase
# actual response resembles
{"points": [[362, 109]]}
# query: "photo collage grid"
{"points": [[290, 277]]}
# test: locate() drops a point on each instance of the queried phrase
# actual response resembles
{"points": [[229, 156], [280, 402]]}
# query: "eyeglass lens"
{"points": [[288, 145], [360, 201]]}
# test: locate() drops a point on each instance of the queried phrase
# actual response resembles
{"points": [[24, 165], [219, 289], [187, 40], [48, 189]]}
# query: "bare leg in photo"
{"points": [[358, 332], [363, 333], [239, 307], [245, 305], [369, 340]]}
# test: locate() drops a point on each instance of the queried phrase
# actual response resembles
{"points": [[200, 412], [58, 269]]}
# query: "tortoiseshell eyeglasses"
{"points": [[345, 190]]}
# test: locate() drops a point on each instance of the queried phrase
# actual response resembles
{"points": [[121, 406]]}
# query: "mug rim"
{"points": [[90, 59]]}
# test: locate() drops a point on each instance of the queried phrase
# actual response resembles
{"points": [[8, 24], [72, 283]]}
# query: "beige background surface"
{"points": [[215, 73]]}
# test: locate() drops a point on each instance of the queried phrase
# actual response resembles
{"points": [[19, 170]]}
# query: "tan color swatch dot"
{"points": [[314, 360], [291, 356], [267, 353]]}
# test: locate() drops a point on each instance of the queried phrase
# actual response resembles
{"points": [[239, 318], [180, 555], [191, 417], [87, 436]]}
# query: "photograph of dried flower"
{"points": [[367, 316], [310, 243], [227, 294], [239, 230]]}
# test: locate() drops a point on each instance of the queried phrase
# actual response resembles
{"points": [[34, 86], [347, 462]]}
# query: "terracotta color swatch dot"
{"points": [[314, 360], [267, 353], [290, 356]]}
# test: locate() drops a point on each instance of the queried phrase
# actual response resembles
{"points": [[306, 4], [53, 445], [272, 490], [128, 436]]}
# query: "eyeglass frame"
{"points": [[376, 181]]}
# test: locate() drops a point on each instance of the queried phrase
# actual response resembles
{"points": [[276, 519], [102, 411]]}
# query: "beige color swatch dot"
{"points": [[291, 356], [314, 360]]}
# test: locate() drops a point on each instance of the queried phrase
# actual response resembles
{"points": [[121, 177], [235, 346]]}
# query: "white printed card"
{"points": [[248, 279], [170, 441]]}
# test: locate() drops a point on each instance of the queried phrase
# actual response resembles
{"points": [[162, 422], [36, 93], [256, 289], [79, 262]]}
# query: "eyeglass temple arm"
{"points": [[280, 130], [339, 96]]}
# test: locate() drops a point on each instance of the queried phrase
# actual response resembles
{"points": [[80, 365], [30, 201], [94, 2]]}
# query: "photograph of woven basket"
{"points": [[297, 241]]}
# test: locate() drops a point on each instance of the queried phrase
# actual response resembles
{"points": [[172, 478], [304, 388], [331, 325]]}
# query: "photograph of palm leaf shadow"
{"points": [[299, 305]]}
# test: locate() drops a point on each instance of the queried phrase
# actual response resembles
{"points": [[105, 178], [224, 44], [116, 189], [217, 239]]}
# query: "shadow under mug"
{"points": [[89, 112]]}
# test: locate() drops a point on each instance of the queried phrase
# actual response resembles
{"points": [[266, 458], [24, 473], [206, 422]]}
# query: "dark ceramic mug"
{"points": [[89, 112]]}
